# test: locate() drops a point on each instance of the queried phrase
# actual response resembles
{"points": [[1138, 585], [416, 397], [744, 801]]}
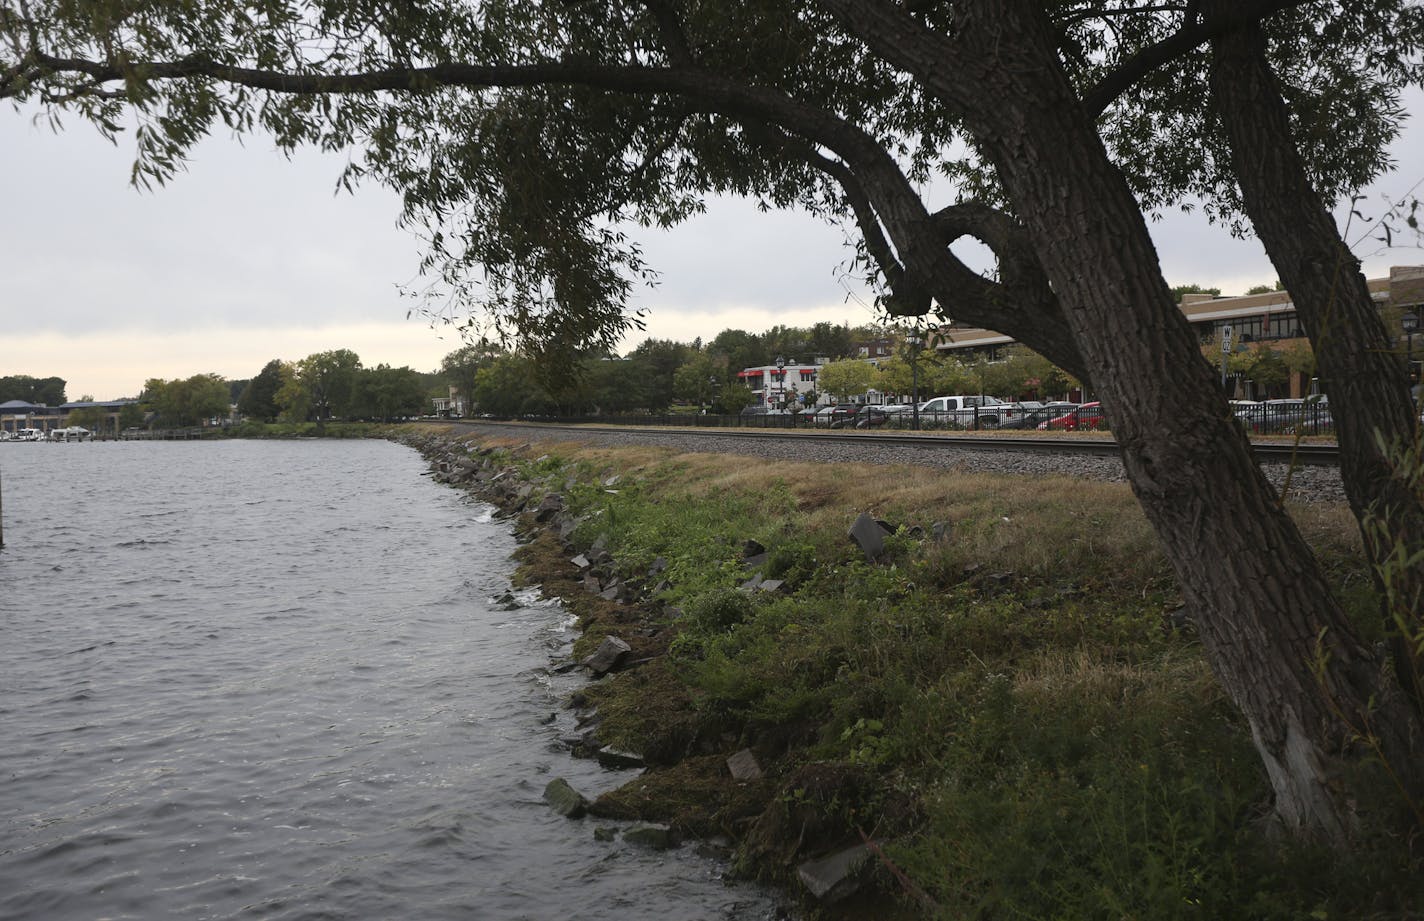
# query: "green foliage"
{"points": [[47, 391], [848, 378], [386, 394], [461, 368], [1266, 289], [1045, 750], [329, 381], [130, 416], [93, 418], [697, 379], [189, 401], [1178, 291], [258, 399]]}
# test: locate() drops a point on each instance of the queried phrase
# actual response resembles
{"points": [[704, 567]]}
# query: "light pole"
{"points": [[780, 381], [712, 386], [1410, 322], [914, 341], [1225, 353]]}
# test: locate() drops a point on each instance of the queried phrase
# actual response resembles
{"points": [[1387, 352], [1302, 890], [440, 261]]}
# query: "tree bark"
{"points": [[1364, 377], [1278, 642]]}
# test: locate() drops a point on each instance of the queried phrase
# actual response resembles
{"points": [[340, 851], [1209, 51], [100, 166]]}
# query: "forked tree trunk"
{"points": [[1277, 640], [1364, 377]]}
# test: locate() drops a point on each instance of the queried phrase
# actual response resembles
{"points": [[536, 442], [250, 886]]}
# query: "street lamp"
{"points": [[780, 381], [712, 386], [914, 343], [1410, 322]]}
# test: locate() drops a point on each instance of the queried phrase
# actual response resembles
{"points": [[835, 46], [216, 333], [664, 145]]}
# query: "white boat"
{"points": [[70, 433], [28, 435]]}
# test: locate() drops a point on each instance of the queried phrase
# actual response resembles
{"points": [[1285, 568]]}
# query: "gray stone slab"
{"points": [[832, 878], [607, 656], [744, 766], [868, 534]]}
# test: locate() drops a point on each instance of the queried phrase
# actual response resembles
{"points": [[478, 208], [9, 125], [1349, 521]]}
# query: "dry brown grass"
{"points": [[1038, 525]]}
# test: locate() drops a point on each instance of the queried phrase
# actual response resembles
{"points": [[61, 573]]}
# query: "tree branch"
{"points": [[1193, 33], [670, 28]]}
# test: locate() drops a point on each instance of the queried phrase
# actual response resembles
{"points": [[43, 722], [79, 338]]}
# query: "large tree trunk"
{"points": [[1275, 637], [1364, 377]]}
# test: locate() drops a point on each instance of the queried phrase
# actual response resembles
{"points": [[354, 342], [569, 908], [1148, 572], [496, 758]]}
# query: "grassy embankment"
{"points": [[1010, 710]]}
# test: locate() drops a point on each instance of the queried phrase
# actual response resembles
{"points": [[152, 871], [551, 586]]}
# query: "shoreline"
{"points": [[960, 724]]}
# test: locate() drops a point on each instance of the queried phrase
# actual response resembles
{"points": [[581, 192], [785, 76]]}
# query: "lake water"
{"points": [[269, 680]]}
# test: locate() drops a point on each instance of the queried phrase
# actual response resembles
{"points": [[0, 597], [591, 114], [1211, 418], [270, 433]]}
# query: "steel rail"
{"points": [[1266, 452]]}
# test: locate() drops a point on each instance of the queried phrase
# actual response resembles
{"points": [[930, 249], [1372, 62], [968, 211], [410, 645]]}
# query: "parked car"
{"points": [[823, 417], [1083, 418], [967, 411], [862, 416], [1042, 413], [1309, 416]]}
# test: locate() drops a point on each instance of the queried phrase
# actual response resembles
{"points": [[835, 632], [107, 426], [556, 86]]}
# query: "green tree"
{"points": [[93, 418], [733, 398], [846, 379], [510, 385], [830, 341], [738, 349], [1179, 291], [520, 135], [293, 397], [386, 394], [329, 379], [660, 359], [259, 398], [895, 376], [130, 416], [696, 379], [46, 391], [1265, 289], [461, 367], [184, 402], [947, 375]]}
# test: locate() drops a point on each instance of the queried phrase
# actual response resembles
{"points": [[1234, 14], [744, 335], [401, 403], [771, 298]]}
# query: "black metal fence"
{"points": [[1285, 417], [1272, 417]]}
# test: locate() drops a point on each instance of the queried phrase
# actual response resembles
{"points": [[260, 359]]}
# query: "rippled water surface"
{"points": [[268, 680]]}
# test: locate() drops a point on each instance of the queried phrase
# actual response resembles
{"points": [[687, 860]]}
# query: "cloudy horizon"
{"points": [[250, 256]]}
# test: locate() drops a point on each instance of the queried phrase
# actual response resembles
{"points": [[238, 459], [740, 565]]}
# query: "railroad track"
{"points": [[1266, 452]]}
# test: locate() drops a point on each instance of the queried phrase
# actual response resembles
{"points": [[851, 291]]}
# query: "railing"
{"points": [[1286, 418]]}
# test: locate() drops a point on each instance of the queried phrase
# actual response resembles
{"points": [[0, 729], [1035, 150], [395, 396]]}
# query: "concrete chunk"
{"points": [[832, 878], [744, 766], [869, 535]]}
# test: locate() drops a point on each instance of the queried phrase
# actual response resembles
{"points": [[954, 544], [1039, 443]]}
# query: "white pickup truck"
{"points": [[968, 412]]}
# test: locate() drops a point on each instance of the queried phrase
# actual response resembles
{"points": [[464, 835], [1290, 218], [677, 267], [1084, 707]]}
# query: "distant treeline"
{"points": [[46, 390]]}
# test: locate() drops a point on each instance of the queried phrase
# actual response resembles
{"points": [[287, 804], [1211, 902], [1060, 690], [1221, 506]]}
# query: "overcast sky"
{"points": [[249, 257]]}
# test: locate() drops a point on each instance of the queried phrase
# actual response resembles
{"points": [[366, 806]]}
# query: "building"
{"points": [[1254, 319], [17, 414], [451, 405], [778, 384]]}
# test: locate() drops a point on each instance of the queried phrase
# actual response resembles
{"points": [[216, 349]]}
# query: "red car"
{"points": [[1085, 418]]}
